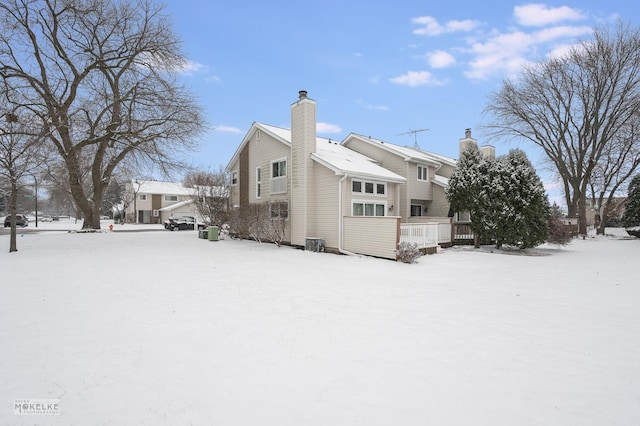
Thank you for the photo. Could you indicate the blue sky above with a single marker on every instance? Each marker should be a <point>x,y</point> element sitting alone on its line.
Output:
<point>378,68</point>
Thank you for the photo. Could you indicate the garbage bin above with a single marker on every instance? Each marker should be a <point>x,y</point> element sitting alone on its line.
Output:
<point>203,234</point>
<point>212,233</point>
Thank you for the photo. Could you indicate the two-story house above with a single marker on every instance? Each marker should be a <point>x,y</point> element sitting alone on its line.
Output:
<point>150,201</point>
<point>353,195</point>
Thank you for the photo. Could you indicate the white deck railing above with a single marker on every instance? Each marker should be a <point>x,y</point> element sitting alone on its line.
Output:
<point>425,235</point>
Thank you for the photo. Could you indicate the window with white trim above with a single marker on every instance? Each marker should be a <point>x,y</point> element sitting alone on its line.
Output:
<point>423,173</point>
<point>156,213</point>
<point>234,178</point>
<point>278,168</point>
<point>258,182</point>
<point>171,198</point>
<point>142,197</point>
<point>363,187</point>
<point>278,184</point>
<point>279,209</point>
<point>365,208</point>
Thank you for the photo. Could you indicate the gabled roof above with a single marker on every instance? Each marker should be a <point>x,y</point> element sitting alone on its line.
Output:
<point>278,133</point>
<point>407,153</point>
<point>343,160</point>
<point>157,187</point>
<point>330,154</point>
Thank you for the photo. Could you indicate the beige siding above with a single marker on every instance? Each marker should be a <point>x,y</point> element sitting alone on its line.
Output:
<point>439,206</point>
<point>372,236</point>
<point>413,188</point>
<point>234,195</point>
<point>263,151</point>
<point>325,216</point>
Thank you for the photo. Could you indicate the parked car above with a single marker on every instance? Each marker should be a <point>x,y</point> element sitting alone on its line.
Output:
<point>46,218</point>
<point>21,220</point>
<point>180,223</point>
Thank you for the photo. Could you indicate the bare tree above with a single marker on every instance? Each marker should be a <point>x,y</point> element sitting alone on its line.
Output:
<point>102,76</point>
<point>211,195</point>
<point>574,107</point>
<point>619,162</point>
<point>21,156</point>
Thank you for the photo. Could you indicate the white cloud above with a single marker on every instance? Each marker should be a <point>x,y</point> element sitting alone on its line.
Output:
<point>416,78</point>
<point>372,106</point>
<point>538,14</point>
<point>213,79</point>
<point>507,53</point>
<point>431,27</point>
<point>227,129</point>
<point>327,128</point>
<point>440,59</point>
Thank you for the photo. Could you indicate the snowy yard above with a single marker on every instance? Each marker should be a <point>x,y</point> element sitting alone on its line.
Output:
<point>163,328</point>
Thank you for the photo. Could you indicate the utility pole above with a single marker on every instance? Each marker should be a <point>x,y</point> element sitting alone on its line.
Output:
<point>415,136</point>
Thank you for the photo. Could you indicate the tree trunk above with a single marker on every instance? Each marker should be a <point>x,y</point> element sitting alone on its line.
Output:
<point>13,196</point>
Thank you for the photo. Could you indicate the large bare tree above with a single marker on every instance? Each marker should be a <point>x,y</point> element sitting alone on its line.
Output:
<point>574,107</point>
<point>102,76</point>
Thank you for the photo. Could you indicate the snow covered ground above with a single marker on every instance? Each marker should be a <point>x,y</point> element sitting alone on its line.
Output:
<point>163,328</point>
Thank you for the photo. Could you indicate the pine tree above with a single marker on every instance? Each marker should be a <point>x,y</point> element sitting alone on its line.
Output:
<point>526,207</point>
<point>631,216</point>
<point>505,198</point>
<point>466,184</point>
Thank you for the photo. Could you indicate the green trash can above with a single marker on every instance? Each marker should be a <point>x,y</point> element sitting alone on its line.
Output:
<point>212,233</point>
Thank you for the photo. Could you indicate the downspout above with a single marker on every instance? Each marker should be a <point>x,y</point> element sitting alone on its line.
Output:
<point>341,250</point>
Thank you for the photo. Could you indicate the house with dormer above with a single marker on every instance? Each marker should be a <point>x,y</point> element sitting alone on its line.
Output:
<point>353,195</point>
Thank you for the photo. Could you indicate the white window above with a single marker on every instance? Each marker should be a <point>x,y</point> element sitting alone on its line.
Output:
<point>171,198</point>
<point>279,176</point>
<point>258,182</point>
<point>279,209</point>
<point>278,168</point>
<point>142,197</point>
<point>156,213</point>
<point>363,208</point>
<point>423,173</point>
<point>234,178</point>
<point>373,188</point>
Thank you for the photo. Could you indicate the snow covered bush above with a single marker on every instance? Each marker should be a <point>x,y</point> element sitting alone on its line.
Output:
<point>408,252</point>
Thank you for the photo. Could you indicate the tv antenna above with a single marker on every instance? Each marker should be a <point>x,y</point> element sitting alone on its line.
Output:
<point>415,136</point>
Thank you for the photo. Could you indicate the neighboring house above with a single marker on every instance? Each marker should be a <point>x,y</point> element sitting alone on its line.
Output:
<point>352,195</point>
<point>154,201</point>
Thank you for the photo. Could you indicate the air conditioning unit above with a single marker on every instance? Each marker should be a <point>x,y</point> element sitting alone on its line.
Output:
<point>314,244</point>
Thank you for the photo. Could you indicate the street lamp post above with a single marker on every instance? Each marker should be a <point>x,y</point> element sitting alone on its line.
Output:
<point>35,179</point>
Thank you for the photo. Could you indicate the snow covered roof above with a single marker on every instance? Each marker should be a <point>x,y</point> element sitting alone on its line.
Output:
<point>440,180</point>
<point>176,205</point>
<point>330,154</point>
<point>157,187</point>
<point>341,159</point>
<point>408,153</point>
<point>278,133</point>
